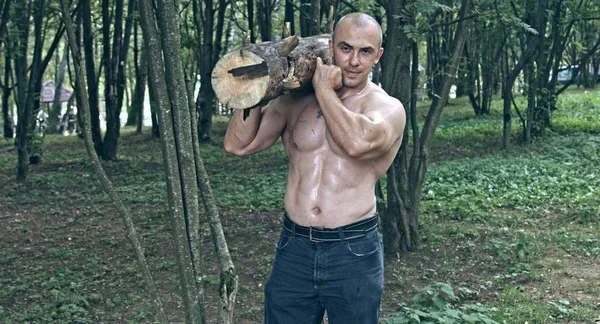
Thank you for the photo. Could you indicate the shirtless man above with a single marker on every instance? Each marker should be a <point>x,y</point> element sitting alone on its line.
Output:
<point>340,139</point>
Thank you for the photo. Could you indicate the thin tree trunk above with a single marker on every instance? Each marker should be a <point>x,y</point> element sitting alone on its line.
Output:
<point>92,78</point>
<point>106,183</point>
<point>132,110</point>
<point>178,198</point>
<point>251,28</point>
<point>8,127</point>
<point>112,61</point>
<point>153,108</point>
<point>395,80</point>
<point>289,16</point>
<point>316,17</point>
<point>24,109</point>
<point>4,19</point>
<point>405,180</point>
<point>141,90</point>
<point>526,56</point>
<point>56,109</point>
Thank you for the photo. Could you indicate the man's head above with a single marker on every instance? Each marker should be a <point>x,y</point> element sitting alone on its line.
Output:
<point>355,47</point>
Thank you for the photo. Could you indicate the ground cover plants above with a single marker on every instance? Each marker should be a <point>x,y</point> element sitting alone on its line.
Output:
<point>509,236</point>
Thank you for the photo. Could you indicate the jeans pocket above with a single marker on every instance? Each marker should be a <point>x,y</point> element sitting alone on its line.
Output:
<point>284,240</point>
<point>364,247</point>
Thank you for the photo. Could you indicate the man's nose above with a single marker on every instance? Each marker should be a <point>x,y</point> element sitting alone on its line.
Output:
<point>354,60</point>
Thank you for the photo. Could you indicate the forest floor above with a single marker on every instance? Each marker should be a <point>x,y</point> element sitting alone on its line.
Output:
<point>64,256</point>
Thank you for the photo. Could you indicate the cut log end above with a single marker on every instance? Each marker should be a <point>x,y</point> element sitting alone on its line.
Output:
<point>238,92</point>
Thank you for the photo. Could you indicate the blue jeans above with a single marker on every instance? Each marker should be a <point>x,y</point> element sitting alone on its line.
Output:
<point>344,279</point>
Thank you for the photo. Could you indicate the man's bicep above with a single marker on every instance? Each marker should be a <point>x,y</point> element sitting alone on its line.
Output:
<point>272,124</point>
<point>390,121</point>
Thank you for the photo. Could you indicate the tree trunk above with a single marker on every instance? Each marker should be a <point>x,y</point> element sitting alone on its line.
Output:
<point>90,72</point>
<point>24,110</point>
<point>8,127</point>
<point>289,16</point>
<point>108,187</point>
<point>132,110</point>
<point>56,109</point>
<point>472,84</point>
<point>5,7</point>
<point>316,17</point>
<point>527,54</point>
<point>406,176</point>
<point>305,18</point>
<point>194,312</point>
<point>153,109</point>
<point>251,28</point>
<point>254,75</point>
<point>264,13</point>
<point>206,95</point>
<point>395,79</point>
<point>113,95</point>
<point>140,94</point>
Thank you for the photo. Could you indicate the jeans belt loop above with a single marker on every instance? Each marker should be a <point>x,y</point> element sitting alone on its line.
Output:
<point>310,234</point>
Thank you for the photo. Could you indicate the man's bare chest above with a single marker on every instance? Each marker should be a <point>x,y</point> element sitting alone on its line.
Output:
<point>309,130</point>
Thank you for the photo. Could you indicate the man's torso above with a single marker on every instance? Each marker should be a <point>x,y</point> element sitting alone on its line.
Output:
<point>326,187</point>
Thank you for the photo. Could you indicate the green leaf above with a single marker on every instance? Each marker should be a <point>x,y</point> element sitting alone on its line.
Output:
<point>439,302</point>
<point>447,290</point>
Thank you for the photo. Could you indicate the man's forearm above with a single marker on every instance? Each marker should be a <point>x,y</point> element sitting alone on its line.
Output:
<point>341,122</point>
<point>241,132</point>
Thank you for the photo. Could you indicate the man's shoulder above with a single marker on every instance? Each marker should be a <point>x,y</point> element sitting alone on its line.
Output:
<point>294,98</point>
<point>288,105</point>
<point>379,99</point>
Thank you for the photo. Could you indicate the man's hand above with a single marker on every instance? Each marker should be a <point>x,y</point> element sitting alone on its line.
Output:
<point>327,76</point>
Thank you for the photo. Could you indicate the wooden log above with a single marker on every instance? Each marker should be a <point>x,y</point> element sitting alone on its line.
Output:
<point>258,73</point>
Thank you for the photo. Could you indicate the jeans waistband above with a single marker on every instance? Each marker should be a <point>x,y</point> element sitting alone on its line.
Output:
<point>319,234</point>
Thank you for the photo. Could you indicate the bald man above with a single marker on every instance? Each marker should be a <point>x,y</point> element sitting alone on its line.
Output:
<point>340,139</point>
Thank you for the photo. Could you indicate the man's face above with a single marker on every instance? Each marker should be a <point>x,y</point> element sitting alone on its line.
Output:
<point>355,50</point>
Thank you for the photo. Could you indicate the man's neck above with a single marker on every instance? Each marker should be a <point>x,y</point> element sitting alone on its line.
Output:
<point>346,92</point>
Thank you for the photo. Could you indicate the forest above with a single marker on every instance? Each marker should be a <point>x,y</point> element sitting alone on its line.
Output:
<point>119,203</point>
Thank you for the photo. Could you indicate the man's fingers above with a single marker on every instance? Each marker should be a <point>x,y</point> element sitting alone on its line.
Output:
<point>319,61</point>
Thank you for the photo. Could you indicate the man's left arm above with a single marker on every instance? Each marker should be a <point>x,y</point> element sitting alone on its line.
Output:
<point>368,133</point>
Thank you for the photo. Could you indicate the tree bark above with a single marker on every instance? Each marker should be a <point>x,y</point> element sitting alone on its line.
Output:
<point>253,75</point>
<point>140,92</point>
<point>5,6</point>
<point>194,312</point>
<point>92,80</point>
<point>24,114</point>
<point>316,17</point>
<point>56,109</point>
<point>264,13</point>
<point>107,184</point>
<point>289,16</point>
<point>8,127</point>
<point>406,175</point>
<point>115,59</point>
<point>251,28</point>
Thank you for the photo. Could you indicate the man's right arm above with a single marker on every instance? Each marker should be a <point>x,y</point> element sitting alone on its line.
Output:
<point>259,131</point>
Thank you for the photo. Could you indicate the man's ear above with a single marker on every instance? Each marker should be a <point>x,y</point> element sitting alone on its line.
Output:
<point>379,55</point>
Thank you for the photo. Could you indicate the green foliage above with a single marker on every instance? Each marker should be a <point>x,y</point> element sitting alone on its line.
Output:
<point>563,176</point>
<point>577,112</point>
<point>436,304</point>
<point>36,146</point>
<point>508,251</point>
